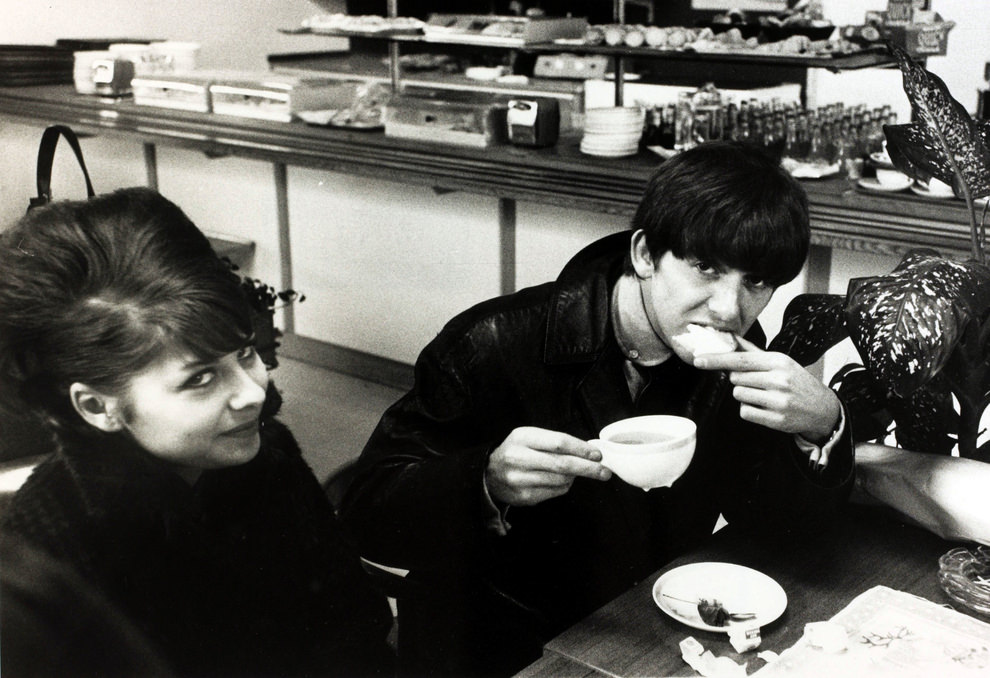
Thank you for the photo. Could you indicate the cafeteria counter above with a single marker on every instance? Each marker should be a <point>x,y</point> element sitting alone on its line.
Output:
<point>843,215</point>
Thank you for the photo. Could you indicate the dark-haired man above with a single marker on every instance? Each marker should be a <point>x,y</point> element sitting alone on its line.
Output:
<point>481,479</point>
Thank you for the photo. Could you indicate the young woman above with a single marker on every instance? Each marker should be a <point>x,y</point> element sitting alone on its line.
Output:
<point>173,490</point>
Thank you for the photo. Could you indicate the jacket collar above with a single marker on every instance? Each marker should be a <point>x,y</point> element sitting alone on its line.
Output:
<point>578,326</point>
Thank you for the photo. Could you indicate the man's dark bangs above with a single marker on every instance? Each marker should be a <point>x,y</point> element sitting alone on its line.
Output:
<point>762,242</point>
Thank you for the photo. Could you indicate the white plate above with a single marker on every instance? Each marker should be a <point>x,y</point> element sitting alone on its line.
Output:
<point>611,154</point>
<point>616,146</point>
<point>738,588</point>
<point>322,117</point>
<point>925,192</point>
<point>871,184</point>
<point>611,146</point>
<point>605,130</point>
<point>614,114</point>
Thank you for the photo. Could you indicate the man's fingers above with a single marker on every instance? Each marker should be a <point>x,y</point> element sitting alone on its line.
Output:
<point>540,480</point>
<point>569,465</point>
<point>747,345</point>
<point>554,442</point>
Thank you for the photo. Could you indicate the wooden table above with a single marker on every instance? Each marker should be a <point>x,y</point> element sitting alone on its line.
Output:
<point>631,637</point>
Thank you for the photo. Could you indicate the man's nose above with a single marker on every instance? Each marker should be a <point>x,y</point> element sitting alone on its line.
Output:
<point>725,302</point>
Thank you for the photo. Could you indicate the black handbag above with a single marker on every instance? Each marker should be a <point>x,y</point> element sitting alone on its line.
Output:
<point>23,437</point>
<point>46,157</point>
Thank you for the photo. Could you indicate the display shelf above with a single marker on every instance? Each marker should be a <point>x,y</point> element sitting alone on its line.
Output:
<point>867,58</point>
<point>872,57</point>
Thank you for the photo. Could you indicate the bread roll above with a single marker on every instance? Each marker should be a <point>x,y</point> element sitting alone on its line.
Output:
<point>700,339</point>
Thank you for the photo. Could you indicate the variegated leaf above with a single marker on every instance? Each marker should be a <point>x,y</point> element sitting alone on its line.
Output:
<point>942,130</point>
<point>926,419</point>
<point>865,401</point>
<point>812,324</point>
<point>907,323</point>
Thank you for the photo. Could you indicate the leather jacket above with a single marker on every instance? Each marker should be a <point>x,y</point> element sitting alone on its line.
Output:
<point>546,356</point>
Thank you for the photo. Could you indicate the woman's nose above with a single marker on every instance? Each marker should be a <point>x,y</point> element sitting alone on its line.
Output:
<point>249,390</point>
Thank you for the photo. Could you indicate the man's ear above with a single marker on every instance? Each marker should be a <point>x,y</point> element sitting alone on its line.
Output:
<point>642,260</point>
<point>96,408</point>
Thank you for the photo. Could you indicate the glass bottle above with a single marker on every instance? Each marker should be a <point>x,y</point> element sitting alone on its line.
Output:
<point>742,131</point>
<point>653,127</point>
<point>668,123</point>
<point>791,149</point>
<point>731,120</point>
<point>706,106</point>
<point>683,124</point>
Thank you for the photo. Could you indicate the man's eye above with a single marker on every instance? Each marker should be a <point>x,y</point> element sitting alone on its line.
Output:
<point>705,267</point>
<point>757,283</point>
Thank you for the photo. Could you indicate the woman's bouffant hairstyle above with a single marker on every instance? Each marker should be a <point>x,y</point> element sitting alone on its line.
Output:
<point>94,291</point>
<point>728,203</point>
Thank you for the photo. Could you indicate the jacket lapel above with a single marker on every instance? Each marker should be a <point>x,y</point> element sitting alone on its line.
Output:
<point>603,394</point>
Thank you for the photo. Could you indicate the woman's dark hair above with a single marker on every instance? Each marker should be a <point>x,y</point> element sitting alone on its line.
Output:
<point>94,291</point>
<point>727,203</point>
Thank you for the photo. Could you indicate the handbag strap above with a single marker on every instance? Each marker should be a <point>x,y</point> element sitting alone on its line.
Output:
<point>46,157</point>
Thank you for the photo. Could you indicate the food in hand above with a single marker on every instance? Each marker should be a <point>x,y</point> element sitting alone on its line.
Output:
<point>700,339</point>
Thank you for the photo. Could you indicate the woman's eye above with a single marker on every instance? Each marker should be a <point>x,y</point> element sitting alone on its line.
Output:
<point>200,379</point>
<point>247,353</point>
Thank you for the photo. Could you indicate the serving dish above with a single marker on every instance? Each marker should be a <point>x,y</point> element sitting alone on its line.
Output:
<point>739,589</point>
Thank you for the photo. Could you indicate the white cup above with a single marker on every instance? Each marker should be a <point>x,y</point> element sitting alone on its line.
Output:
<point>649,451</point>
<point>939,188</point>
<point>891,177</point>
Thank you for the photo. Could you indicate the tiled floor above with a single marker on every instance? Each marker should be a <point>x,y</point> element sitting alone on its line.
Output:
<point>331,414</point>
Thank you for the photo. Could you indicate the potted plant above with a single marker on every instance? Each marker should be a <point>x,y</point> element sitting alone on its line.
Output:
<point>922,330</point>
<point>265,300</point>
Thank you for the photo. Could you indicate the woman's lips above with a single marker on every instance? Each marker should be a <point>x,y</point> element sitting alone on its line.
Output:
<point>244,429</point>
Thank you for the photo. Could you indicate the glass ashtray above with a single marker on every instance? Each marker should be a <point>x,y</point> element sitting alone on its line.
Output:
<point>964,575</point>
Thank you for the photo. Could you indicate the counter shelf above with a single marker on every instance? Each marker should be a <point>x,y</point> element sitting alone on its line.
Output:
<point>841,216</point>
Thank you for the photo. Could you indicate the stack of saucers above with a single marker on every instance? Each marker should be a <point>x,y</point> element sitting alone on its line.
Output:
<point>612,132</point>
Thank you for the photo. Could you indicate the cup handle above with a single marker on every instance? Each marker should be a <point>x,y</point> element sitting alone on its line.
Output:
<point>601,448</point>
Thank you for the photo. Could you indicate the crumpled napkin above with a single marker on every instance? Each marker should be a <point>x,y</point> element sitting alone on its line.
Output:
<point>707,664</point>
<point>710,666</point>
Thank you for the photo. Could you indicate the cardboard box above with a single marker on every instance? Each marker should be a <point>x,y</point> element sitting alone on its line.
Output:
<point>511,31</point>
<point>477,122</point>
<point>276,96</point>
<point>920,39</point>
<point>186,92</point>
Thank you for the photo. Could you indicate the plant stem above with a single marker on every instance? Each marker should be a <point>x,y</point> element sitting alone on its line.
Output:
<point>976,233</point>
<point>969,428</point>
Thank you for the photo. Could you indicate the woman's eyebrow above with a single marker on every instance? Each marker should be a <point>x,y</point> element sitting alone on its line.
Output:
<point>194,364</point>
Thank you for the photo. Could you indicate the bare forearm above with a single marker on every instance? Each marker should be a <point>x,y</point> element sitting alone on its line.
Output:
<point>949,496</point>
